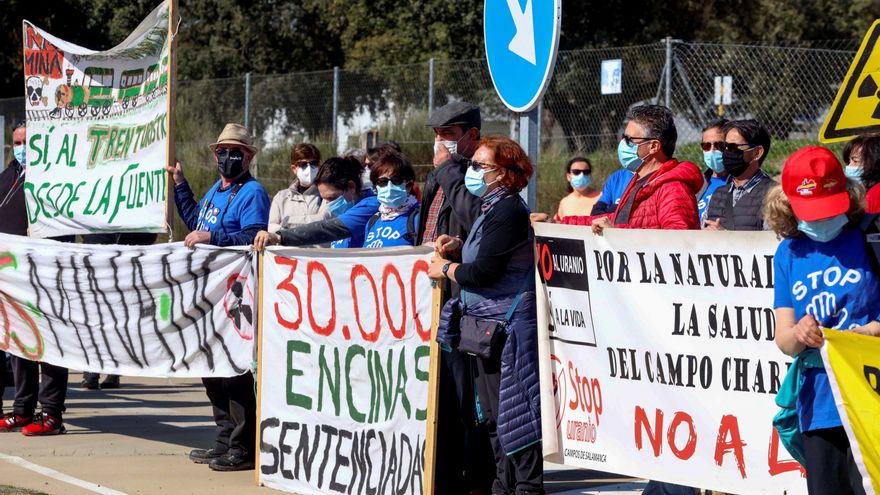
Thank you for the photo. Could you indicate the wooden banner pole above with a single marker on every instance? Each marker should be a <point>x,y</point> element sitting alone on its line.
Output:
<point>433,392</point>
<point>170,111</point>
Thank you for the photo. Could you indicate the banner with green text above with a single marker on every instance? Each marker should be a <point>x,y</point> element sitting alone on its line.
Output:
<point>96,132</point>
<point>344,364</point>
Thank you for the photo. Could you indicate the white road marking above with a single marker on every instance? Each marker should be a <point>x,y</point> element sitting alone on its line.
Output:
<point>51,473</point>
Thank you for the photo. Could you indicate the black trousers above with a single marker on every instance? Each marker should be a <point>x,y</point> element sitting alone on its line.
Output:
<point>464,459</point>
<point>3,379</point>
<point>235,412</point>
<point>830,465</point>
<point>38,382</point>
<point>520,473</point>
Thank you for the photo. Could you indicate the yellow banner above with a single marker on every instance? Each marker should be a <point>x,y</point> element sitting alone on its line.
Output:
<point>853,364</point>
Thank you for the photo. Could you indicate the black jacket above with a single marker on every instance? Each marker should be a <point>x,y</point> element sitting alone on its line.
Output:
<point>460,208</point>
<point>13,211</point>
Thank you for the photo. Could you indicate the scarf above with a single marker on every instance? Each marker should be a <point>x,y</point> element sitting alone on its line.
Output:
<point>391,212</point>
<point>493,197</point>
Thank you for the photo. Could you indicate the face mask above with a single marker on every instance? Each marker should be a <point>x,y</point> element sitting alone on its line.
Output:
<point>306,175</point>
<point>339,206</point>
<point>580,182</point>
<point>452,146</point>
<point>365,179</point>
<point>473,181</point>
<point>392,195</point>
<point>230,162</point>
<point>854,173</point>
<point>629,155</point>
<point>823,230</point>
<point>20,153</point>
<point>714,160</point>
<point>734,162</point>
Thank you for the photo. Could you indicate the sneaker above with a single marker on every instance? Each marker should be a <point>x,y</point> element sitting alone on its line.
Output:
<point>14,422</point>
<point>44,425</point>
<point>204,456</point>
<point>112,381</point>
<point>232,461</point>
<point>89,384</point>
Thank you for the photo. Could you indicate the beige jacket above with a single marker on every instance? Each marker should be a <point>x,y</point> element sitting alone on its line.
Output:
<point>290,208</point>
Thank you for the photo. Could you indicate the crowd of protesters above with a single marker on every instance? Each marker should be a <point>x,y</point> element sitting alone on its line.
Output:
<point>471,212</point>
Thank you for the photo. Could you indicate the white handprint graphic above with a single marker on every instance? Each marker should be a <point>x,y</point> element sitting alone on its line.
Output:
<point>823,307</point>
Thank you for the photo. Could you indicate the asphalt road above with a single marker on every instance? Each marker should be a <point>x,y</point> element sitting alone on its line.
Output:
<point>135,440</point>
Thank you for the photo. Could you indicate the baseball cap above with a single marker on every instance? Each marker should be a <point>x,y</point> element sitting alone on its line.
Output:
<point>815,184</point>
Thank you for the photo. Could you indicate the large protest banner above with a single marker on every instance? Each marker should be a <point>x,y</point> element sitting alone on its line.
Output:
<point>853,365</point>
<point>161,310</point>
<point>97,128</point>
<point>344,369</point>
<point>658,356</point>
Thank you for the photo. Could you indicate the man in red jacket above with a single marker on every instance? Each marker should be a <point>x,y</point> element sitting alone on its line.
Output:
<point>662,194</point>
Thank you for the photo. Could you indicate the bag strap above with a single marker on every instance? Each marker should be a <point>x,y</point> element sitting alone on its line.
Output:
<point>411,229</point>
<point>516,300</point>
<point>870,227</point>
<point>372,221</point>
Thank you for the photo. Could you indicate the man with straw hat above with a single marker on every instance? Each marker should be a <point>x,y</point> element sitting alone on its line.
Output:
<point>230,214</point>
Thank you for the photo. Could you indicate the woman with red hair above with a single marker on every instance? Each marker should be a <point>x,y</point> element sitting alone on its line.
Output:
<point>494,319</point>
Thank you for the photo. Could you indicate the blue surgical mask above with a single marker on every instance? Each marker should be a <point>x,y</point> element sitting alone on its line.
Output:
<point>581,182</point>
<point>823,230</point>
<point>854,173</point>
<point>473,181</point>
<point>20,153</point>
<point>339,206</point>
<point>714,160</point>
<point>629,155</point>
<point>392,195</point>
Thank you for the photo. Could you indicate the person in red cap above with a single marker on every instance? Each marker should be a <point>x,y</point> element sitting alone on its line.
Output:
<point>823,280</point>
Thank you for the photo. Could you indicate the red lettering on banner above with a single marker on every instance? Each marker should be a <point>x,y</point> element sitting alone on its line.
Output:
<point>587,393</point>
<point>730,428</point>
<point>325,330</point>
<point>287,286</point>
<point>361,271</point>
<point>546,261</point>
<point>386,273</point>
<point>420,266</point>
<point>34,353</point>
<point>691,445</point>
<point>655,435</point>
<point>41,58</point>
<point>776,466</point>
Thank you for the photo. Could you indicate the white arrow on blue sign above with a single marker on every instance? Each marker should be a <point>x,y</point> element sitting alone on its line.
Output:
<point>522,38</point>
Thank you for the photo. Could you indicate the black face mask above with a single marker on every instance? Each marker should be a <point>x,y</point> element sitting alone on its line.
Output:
<point>734,163</point>
<point>230,162</point>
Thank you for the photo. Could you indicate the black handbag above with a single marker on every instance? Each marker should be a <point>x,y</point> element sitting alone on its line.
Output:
<point>483,337</point>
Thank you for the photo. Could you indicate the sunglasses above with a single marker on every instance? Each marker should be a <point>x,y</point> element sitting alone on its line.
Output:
<point>629,139</point>
<point>383,181</point>
<point>306,163</point>
<point>576,171</point>
<point>717,145</point>
<point>477,166</point>
<point>735,147</point>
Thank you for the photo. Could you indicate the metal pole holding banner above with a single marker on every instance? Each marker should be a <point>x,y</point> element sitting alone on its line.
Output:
<point>667,71</point>
<point>335,100</point>
<point>170,107</point>
<point>430,86</point>
<point>529,132</point>
<point>247,101</point>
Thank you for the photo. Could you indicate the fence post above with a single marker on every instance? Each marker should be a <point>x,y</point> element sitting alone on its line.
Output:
<point>430,85</point>
<point>247,101</point>
<point>335,100</point>
<point>668,72</point>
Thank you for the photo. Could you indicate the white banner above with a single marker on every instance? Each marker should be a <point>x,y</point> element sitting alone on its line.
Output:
<point>97,132</point>
<point>344,359</point>
<point>161,310</point>
<point>658,357</point>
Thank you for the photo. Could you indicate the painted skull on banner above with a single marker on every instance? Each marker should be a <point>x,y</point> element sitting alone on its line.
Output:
<point>34,90</point>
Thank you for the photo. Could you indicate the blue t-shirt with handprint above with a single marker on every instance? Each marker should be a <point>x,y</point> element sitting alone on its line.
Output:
<point>833,282</point>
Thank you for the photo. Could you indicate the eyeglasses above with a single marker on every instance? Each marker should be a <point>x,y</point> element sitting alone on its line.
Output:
<point>735,147</point>
<point>476,166</point>
<point>717,145</point>
<point>383,181</point>
<point>576,171</point>
<point>629,139</point>
<point>306,163</point>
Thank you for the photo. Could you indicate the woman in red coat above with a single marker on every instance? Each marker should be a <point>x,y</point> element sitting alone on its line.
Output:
<point>662,194</point>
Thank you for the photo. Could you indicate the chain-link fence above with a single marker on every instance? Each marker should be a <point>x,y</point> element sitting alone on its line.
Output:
<point>788,89</point>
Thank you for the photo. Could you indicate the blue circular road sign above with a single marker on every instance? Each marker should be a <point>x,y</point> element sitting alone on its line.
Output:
<point>522,37</point>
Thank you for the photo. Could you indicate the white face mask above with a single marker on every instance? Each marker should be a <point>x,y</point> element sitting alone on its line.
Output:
<point>306,175</point>
<point>452,146</point>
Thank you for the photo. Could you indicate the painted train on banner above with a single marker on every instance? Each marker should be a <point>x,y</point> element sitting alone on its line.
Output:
<point>662,361</point>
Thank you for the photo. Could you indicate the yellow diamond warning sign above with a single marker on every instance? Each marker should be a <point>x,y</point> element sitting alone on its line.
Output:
<point>856,110</point>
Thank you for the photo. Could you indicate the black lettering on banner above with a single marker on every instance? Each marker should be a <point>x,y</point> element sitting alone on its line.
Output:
<point>562,263</point>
